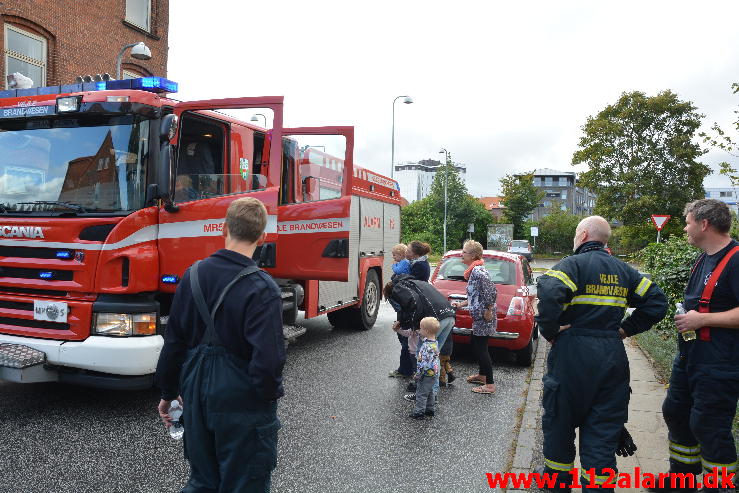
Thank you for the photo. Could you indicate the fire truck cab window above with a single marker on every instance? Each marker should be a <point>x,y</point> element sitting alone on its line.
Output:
<point>200,159</point>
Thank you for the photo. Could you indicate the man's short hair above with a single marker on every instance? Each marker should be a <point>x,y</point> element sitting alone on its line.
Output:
<point>716,212</point>
<point>246,219</point>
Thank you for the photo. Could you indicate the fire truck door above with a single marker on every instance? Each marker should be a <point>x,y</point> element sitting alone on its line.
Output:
<point>314,218</point>
<point>207,175</point>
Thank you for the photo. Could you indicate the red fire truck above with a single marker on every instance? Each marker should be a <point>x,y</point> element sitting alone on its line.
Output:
<point>110,190</point>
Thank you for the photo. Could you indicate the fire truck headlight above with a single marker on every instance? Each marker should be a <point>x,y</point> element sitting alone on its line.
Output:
<point>125,324</point>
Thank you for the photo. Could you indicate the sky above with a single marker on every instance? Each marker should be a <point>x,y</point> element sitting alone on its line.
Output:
<point>505,87</point>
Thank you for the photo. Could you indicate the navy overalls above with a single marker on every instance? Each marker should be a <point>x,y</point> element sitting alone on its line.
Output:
<point>587,381</point>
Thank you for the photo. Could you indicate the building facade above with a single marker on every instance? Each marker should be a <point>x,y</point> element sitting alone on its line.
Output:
<point>728,195</point>
<point>493,205</point>
<point>415,178</point>
<point>561,189</point>
<point>53,42</point>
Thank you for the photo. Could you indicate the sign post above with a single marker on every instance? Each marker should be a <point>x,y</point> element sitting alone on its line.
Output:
<point>471,229</point>
<point>659,222</point>
<point>534,234</point>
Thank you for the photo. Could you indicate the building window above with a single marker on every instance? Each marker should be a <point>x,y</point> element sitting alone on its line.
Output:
<point>724,194</point>
<point>25,53</point>
<point>131,75</point>
<point>564,194</point>
<point>563,207</point>
<point>138,13</point>
<point>549,181</point>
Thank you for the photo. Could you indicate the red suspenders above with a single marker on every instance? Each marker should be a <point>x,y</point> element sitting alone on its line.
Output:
<point>704,333</point>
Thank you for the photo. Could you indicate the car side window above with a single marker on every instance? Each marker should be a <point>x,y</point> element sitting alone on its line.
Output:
<point>527,277</point>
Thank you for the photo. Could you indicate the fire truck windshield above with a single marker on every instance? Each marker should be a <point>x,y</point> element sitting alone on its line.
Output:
<point>81,163</point>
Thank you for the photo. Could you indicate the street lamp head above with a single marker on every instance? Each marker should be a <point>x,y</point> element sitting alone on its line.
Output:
<point>141,52</point>
<point>408,100</point>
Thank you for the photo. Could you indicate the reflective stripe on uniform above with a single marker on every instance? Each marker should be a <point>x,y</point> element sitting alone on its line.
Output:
<point>708,466</point>
<point>562,277</point>
<point>684,449</point>
<point>587,479</point>
<point>685,459</point>
<point>643,286</point>
<point>599,300</point>
<point>558,466</point>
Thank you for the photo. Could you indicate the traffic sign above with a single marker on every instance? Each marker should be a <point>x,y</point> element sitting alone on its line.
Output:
<point>660,221</point>
<point>534,231</point>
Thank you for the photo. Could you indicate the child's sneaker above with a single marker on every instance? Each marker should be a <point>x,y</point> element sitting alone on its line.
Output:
<point>417,415</point>
<point>410,397</point>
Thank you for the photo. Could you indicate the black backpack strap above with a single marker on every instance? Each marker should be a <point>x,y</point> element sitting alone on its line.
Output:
<point>211,337</point>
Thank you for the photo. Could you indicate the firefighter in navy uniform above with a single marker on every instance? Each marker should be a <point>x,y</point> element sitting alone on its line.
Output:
<point>704,386</point>
<point>582,302</point>
<point>224,353</point>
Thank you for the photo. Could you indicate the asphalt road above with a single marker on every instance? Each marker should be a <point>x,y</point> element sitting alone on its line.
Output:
<point>345,427</point>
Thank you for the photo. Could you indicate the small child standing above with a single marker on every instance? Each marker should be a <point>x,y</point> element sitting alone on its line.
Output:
<point>401,265</point>
<point>427,369</point>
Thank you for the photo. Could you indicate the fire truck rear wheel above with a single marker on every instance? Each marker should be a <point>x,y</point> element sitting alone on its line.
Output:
<point>365,316</point>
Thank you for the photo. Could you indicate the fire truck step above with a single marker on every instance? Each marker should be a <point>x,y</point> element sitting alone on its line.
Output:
<point>292,331</point>
<point>19,356</point>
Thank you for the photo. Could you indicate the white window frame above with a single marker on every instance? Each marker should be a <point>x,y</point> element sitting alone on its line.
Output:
<point>146,28</point>
<point>127,74</point>
<point>23,58</point>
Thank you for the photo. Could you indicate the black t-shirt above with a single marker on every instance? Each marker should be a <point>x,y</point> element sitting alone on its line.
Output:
<point>726,293</point>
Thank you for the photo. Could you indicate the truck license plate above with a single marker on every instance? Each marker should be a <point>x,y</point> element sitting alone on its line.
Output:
<point>51,311</point>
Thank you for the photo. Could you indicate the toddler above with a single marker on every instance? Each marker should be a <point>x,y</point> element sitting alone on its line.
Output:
<point>401,265</point>
<point>427,369</point>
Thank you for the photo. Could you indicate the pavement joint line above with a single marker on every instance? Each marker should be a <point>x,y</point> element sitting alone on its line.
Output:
<point>525,440</point>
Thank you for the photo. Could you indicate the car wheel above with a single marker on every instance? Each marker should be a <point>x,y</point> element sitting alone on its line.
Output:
<point>525,356</point>
<point>364,317</point>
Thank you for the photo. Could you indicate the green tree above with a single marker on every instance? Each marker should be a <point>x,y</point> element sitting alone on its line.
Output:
<point>520,197</point>
<point>424,219</point>
<point>557,230</point>
<point>642,159</point>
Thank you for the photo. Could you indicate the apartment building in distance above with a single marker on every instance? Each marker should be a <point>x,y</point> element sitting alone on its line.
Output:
<point>728,195</point>
<point>561,188</point>
<point>415,178</point>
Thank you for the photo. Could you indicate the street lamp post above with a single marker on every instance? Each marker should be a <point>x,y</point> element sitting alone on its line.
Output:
<point>139,51</point>
<point>407,100</point>
<point>446,181</point>
<point>255,119</point>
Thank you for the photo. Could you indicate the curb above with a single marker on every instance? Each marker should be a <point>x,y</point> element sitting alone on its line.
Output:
<point>531,417</point>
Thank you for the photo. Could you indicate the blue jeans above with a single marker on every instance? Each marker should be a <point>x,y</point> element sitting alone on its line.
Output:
<point>445,330</point>
<point>407,361</point>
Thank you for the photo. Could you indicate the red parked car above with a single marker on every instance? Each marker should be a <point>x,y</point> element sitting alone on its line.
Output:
<point>516,300</point>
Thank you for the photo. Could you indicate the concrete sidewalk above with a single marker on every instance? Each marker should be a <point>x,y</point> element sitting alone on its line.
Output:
<point>645,424</point>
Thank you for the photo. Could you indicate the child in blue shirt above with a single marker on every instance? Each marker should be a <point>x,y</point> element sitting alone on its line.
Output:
<point>427,369</point>
<point>401,264</point>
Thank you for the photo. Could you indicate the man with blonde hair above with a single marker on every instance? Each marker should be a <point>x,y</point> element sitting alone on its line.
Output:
<point>582,303</point>
<point>223,354</point>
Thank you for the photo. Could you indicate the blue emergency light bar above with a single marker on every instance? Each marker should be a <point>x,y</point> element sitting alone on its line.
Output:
<point>46,275</point>
<point>151,84</point>
<point>64,254</point>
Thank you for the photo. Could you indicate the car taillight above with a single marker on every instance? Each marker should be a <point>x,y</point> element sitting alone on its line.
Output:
<point>516,308</point>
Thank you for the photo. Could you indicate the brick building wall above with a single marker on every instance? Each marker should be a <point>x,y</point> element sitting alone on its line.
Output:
<point>84,38</point>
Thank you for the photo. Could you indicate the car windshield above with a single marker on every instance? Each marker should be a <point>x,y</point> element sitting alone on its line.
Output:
<point>501,271</point>
<point>519,244</point>
<point>85,163</point>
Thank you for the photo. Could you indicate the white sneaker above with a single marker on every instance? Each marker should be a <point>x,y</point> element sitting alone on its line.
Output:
<point>410,397</point>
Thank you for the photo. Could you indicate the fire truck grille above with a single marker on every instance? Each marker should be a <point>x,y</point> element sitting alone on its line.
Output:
<point>28,252</point>
<point>40,292</point>
<point>17,305</point>
<point>23,273</point>
<point>35,324</point>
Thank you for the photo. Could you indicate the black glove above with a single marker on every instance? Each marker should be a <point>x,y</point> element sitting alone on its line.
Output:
<point>626,445</point>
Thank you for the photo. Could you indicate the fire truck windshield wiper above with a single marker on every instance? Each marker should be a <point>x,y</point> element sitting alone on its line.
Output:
<point>49,205</point>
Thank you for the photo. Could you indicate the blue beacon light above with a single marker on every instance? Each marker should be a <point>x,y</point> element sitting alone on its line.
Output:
<point>170,279</point>
<point>64,254</point>
<point>46,275</point>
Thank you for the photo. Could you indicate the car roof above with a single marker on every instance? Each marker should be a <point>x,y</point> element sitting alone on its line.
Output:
<point>486,253</point>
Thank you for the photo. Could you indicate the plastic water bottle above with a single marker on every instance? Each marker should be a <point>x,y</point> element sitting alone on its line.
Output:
<point>175,412</point>
<point>690,334</point>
